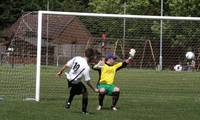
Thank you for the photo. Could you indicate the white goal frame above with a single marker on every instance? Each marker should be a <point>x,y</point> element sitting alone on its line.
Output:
<point>39,34</point>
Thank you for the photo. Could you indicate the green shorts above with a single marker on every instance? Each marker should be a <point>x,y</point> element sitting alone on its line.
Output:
<point>109,88</point>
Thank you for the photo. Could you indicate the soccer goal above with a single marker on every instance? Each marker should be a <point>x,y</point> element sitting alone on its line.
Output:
<point>43,41</point>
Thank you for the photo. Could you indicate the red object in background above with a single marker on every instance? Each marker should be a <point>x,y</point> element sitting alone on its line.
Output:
<point>103,37</point>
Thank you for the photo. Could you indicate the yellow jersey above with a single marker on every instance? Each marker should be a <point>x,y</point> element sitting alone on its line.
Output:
<point>108,73</point>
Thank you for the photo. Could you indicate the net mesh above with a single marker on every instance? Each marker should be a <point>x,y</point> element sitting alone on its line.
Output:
<point>18,59</point>
<point>64,37</point>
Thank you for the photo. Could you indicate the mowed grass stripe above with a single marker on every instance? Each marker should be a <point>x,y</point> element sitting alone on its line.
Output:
<point>145,95</point>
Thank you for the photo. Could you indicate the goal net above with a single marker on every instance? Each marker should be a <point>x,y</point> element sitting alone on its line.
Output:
<point>40,42</point>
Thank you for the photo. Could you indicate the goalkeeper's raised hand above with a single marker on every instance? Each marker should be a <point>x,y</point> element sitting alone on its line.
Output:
<point>131,54</point>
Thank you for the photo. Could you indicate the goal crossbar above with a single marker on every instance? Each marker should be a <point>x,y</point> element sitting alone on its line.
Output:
<point>39,32</point>
<point>121,15</point>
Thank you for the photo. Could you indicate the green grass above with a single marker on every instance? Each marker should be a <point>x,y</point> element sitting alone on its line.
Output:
<point>145,95</point>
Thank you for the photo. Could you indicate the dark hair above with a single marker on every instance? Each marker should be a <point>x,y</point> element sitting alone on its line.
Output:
<point>89,53</point>
<point>92,54</point>
<point>97,55</point>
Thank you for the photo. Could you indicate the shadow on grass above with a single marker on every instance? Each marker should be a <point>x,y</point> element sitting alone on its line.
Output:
<point>108,108</point>
<point>53,99</point>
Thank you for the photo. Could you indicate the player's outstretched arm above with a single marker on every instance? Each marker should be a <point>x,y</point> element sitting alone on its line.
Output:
<point>61,70</point>
<point>126,62</point>
<point>91,86</point>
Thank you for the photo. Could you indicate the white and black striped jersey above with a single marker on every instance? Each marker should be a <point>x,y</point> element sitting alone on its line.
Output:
<point>79,68</point>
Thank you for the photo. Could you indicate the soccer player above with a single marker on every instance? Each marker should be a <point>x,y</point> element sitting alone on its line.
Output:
<point>107,70</point>
<point>79,68</point>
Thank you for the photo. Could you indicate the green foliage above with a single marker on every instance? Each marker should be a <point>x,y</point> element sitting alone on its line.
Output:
<point>184,7</point>
<point>76,5</point>
<point>13,9</point>
<point>140,7</point>
<point>106,6</point>
<point>148,7</point>
<point>144,7</point>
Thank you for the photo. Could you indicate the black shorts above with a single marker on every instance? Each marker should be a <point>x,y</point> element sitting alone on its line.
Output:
<point>78,89</point>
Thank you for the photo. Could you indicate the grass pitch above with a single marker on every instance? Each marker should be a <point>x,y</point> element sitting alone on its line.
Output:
<point>145,95</point>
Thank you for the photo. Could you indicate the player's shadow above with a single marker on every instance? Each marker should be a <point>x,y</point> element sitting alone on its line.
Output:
<point>90,113</point>
<point>78,112</point>
<point>107,108</point>
<point>53,99</point>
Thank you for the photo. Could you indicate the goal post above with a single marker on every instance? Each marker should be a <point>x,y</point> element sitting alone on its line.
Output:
<point>120,16</point>
<point>38,66</point>
<point>39,43</point>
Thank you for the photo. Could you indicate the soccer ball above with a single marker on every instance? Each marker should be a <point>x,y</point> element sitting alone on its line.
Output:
<point>178,67</point>
<point>189,55</point>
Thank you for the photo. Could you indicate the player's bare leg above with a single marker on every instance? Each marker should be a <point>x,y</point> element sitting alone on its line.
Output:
<point>101,98</point>
<point>115,97</point>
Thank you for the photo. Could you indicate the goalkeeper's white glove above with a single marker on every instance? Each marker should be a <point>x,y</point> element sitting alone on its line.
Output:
<point>132,52</point>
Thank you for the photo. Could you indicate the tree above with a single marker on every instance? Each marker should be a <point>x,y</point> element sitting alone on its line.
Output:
<point>76,5</point>
<point>184,8</point>
<point>106,6</point>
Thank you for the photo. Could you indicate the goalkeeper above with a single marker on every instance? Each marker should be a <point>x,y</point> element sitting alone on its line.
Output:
<point>107,70</point>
